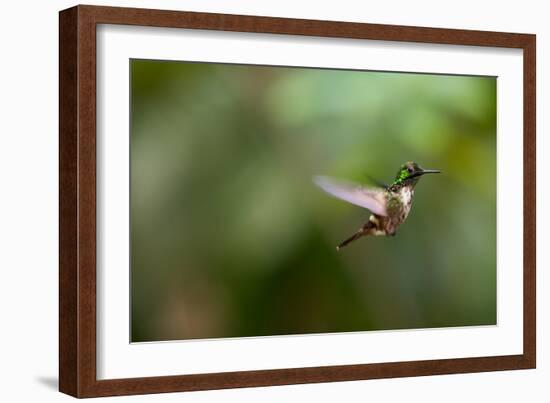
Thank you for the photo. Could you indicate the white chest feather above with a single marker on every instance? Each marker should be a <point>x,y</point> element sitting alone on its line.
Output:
<point>406,195</point>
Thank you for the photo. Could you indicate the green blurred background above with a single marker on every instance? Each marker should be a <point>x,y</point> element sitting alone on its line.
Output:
<point>230,238</point>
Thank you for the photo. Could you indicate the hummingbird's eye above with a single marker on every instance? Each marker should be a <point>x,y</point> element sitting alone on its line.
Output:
<point>410,170</point>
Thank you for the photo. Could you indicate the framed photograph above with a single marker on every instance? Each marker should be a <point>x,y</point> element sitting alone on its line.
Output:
<point>254,201</point>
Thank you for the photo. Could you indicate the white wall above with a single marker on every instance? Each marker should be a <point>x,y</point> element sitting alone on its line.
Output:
<point>28,198</point>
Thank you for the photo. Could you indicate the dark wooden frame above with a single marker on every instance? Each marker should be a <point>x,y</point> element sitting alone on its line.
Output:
<point>77,206</point>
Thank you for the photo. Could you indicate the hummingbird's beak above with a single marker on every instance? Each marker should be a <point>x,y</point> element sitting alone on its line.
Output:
<point>430,171</point>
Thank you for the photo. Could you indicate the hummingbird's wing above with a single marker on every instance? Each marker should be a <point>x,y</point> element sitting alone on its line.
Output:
<point>370,198</point>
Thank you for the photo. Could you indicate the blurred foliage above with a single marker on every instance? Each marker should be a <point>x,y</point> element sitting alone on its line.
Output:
<point>230,238</point>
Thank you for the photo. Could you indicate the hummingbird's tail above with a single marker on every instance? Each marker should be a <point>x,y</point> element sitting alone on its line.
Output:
<point>363,231</point>
<point>352,238</point>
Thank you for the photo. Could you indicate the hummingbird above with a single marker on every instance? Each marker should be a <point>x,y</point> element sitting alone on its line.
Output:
<point>390,205</point>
